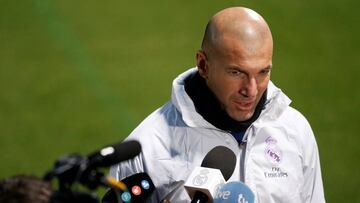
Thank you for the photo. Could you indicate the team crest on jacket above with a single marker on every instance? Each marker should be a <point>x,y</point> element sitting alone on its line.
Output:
<point>272,151</point>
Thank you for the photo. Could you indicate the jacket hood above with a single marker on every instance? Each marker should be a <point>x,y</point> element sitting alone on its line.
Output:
<point>276,102</point>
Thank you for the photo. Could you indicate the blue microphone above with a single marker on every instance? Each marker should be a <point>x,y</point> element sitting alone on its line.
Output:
<point>234,192</point>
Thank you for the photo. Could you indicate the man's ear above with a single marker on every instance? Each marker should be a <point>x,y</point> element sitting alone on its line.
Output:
<point>201,64</point>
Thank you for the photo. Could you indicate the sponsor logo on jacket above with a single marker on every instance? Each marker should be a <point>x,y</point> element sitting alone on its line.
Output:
<point>274,155</point>
<point>272,152</point>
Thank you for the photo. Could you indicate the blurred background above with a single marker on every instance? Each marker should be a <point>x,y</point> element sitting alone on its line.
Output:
<point>78,75</point>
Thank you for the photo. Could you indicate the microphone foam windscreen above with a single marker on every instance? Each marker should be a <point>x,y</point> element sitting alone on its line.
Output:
<point>114,154</point>
<point>221,158</point>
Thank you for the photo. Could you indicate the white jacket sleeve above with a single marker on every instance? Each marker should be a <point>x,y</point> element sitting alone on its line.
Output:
<point>312,189</point>
<point>127,168</point>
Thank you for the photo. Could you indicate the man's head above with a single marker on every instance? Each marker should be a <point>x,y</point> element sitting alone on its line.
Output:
<point>235,60</point>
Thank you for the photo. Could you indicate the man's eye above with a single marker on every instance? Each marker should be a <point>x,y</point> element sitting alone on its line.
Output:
<point>235,72</point>
<point>265,72</point>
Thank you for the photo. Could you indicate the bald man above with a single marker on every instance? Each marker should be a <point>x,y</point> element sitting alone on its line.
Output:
<point>229,100</point>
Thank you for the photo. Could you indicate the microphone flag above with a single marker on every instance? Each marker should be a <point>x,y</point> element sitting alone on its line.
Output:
<point>234,192</point>
<point>205,180</point>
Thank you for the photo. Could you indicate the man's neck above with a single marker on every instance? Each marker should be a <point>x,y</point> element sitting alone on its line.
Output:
<point>208,106</point>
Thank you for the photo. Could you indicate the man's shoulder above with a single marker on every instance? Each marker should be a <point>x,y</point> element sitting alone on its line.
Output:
<point>164,115</point>
<point>294,116</point>
<point>297,126</point>
<point>159,121</point>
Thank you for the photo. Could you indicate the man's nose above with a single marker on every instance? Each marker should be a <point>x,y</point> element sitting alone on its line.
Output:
<point>249,88</point>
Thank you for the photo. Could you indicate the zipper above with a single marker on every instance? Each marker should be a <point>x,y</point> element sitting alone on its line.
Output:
<point>244,152</point>
<point>242,161</point>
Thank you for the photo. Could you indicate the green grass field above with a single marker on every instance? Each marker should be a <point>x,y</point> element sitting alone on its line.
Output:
<point>77,75</point>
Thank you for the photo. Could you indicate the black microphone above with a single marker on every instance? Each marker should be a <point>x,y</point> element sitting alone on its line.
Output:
<point>114,154</point>
<point>204,181</point>
<point>71,168</point>
<point>137,189</point>
<point>221,158</point>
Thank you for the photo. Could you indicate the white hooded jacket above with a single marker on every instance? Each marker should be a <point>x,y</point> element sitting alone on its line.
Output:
<point>278,158</point>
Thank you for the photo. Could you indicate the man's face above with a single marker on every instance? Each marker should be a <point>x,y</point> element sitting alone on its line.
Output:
<point>237,76</point>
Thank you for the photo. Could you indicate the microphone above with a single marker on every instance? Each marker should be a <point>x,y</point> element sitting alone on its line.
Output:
<point>71,168</point>
<point>234,192</point>
<point>138,188</point>
<point>221,158</point>
<point>114,154</point>
<point>204,181</point>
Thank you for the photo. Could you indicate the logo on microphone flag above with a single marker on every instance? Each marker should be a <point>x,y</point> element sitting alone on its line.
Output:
<point>236,192</point>
<point>205,180</point>
<point>201,178</point>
